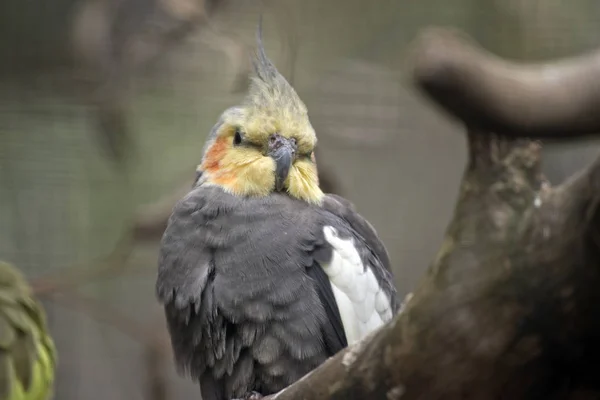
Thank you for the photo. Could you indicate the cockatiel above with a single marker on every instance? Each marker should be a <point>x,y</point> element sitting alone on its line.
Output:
<point>27,353</point>
<point>262,275</point>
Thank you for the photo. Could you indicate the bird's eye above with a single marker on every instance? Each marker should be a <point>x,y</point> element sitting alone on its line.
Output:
<point>294,141</point>
<point>237,137</point>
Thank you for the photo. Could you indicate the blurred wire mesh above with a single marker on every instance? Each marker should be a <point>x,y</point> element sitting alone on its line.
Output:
<point>105,104</point>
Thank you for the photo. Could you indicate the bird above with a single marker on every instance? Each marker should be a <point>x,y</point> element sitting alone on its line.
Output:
<point>28,355</point>
<point>262,276</point>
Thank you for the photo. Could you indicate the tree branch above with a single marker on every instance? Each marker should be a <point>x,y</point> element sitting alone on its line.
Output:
<point>558,99</point>
<point>510,307</point>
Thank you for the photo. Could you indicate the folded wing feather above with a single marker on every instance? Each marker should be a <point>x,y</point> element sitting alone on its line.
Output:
<point>363,305</point>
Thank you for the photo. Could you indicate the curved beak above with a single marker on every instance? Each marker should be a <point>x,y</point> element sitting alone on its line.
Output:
<point>283,151</point>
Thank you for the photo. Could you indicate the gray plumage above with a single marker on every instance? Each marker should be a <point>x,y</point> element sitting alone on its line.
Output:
<point>242,311</point>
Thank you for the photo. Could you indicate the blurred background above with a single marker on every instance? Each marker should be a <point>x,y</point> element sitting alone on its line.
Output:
<point>105,105</point>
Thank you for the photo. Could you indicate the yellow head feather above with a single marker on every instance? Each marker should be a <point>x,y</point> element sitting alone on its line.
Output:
<point>271,106</point>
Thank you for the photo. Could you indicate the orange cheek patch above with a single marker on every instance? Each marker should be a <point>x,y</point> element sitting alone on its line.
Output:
<point>212,164</point>
<point>215,154</point>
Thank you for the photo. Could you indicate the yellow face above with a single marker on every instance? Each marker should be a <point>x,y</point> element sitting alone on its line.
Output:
<point>245,156</point>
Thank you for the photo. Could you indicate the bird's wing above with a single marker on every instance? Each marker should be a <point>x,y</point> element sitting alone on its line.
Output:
<point>183,272</point>
<point>334,335</point>
<point>358,268</point>
<point>184,287</point>
<point>345,209</point>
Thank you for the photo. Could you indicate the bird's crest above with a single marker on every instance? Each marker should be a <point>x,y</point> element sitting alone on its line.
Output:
<point>269,91</point>
<point>270,107</point>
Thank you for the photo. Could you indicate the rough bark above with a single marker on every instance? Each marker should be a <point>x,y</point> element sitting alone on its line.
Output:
<point>510,307</point>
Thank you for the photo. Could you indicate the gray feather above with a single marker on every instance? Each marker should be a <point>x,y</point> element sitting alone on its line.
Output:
<point>267,349</point>
<point>242,310</point>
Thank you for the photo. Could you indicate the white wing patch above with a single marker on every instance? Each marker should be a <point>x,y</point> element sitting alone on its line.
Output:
<point>362,304</point>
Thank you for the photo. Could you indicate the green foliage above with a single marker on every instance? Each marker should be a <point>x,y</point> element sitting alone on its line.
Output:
<point>27,353</point>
